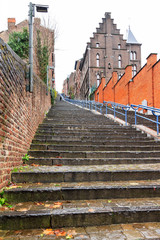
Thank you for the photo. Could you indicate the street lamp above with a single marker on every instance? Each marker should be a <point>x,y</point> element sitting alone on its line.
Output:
<point>39,8</point>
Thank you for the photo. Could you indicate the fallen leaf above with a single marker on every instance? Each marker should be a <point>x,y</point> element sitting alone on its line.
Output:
<point>17,232</point>
<point>48,232</point>
<point>69,236</point>
<point>58,203</point>
<point>60,233</point>
<point>22,209</point>
<point>39,183</point>
<point>72,232</point>
<point>3,209</point>
<point>47,205</point>
<point>59,165</point>
<point>81,236</point>
<point>91,210</point>
<point>109,201</point>
<point>35,165</point>
<point>54,206</point>
<point>38,203</point>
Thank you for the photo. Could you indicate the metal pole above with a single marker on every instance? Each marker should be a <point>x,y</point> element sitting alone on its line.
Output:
<point>31,15</point>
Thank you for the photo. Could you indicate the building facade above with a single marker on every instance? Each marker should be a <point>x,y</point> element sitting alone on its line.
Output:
<point>47,37</point>
<point>107,52</point>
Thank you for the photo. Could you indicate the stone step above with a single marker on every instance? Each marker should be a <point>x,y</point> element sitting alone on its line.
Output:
<point>86,133</point>
<point>97,142</point>
<point>85,129</point>
<point>94,147</point>
<point>82,191</point>
<point>81,213</point>
<point>91,161</point>
<point>50,174</point>
<point>134,231</point>
<point>80,126</point>
<point>93,154</point>
<point>92,138</point>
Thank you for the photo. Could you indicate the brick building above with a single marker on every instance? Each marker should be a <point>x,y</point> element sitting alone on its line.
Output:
<point>143,87</point>
<point>106,52</point>
<point>47,36</point>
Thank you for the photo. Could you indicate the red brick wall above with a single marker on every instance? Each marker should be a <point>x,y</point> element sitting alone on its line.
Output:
<point>20,112</point>
<point>145,85</point>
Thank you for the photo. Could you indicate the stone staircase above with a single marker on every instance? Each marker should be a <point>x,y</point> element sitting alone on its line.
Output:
<point>85,170</point>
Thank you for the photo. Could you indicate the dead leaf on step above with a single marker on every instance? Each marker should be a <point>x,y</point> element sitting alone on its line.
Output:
<point>58,203</point>
<point>59,165</point>
<point>35,165</point>
<point>91,210</point>
<point>38,203</point>
<point>60,233</point>
<point>72,232</point>
<point>3,209</point>
<point>22,209</point>
<point>48,232</point>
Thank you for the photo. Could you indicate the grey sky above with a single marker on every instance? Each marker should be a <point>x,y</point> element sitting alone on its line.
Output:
<point>77,20</point>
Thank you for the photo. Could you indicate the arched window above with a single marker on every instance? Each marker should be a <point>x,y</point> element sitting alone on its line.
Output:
<point>97,45</point>
<point>131,55</point>
<point>134,70</point>
<point>134,55</point>
<point>97,59</point>
<point>119,61</point>
<point>119,46</point>
<point>98,79</point>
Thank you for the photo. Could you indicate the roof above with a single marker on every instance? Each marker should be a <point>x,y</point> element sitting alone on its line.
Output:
<point>130,37</point>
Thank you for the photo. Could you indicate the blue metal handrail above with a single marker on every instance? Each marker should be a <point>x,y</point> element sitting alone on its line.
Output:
<point>115,106</point>
<point>92,105</point>
<point>155,112</point>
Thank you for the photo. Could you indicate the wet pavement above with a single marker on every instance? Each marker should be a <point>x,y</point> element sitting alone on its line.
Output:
<point>136,231</point>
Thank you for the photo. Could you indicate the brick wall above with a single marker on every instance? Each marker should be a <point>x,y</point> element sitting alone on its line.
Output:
<point>145,85</point>
<point>20,112</point>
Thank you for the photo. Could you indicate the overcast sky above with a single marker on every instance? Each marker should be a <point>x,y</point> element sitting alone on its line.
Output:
<point>76,20</point>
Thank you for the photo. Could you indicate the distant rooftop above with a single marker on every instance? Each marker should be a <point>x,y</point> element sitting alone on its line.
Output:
<point>130,37</point>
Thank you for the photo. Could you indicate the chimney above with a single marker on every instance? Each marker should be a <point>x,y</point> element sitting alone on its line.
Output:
<point>11,23</point>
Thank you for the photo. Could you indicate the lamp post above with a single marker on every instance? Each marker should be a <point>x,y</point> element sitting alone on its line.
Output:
<point>39,8</point>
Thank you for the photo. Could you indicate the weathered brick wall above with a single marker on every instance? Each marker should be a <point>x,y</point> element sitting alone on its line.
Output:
<point>20,112</point>
<point>145,85</point>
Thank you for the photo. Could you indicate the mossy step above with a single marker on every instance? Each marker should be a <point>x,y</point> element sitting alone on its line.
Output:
<point>94,154</point>
<point>49,174</point>
<point>118,147</point>
<point>91,161</point>
<point>82,191</point>
<point>80,213</point>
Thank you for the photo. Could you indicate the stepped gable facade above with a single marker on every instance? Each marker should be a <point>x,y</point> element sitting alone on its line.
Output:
<point>108,52</point>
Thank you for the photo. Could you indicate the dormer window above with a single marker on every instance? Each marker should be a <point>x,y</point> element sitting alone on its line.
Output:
<point>97,45</point>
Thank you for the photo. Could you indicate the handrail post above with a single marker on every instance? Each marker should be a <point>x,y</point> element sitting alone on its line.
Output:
<point>157,125</point>
<point>95,107</point>
<point>114,112</point>
<point>126,117</point>
<point>135,117</point>
<point>106,109</point>
<point>101,109</point>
